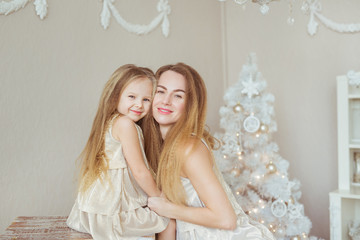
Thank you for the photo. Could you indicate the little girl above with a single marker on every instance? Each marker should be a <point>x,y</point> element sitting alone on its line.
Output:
<point>115,179</point>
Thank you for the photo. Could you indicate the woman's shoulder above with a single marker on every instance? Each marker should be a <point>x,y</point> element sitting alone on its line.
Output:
<point>197,144</point>
<point>196,148</point>
<point>197,156</point>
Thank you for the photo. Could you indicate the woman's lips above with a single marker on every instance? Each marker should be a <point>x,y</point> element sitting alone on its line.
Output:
<point>164,111</point>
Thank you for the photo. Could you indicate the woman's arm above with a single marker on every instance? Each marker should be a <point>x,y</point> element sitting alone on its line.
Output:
<point>125,131</point>
<point>218,211</point>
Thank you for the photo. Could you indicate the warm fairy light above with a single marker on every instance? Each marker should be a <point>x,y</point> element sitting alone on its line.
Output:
<point>257,177</point>
<point>255,210</point>
<point>257,135</point>
<point>240,157</point>
<point>262,221</point>
<point>237,134</point>
<point>283,176</point>
<point>224,156</point>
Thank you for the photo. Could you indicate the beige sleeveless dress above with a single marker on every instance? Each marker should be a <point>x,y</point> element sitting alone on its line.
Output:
<point>115,209</point>
<point>246,229</point>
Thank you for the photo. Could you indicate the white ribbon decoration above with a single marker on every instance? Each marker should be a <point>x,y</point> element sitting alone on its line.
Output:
<point>13,6</point>
<point>313,7</point>
<point>162,7</point>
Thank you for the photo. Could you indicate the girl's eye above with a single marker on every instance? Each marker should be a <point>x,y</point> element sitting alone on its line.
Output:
<point>131,96</point>
<point>147,100</point>
<point>160,91</point>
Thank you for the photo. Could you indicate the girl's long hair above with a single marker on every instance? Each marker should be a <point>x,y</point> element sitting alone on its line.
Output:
<point>168,163</point>
<point>94,163</point>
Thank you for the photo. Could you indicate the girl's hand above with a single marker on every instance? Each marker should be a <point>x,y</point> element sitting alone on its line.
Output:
<point>160,205</point>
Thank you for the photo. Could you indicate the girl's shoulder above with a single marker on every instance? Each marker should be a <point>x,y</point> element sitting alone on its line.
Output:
<point>123,126</point>
<point>123,121</point>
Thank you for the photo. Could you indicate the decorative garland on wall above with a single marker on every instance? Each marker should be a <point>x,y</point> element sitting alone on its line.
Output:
<point>15,5</point>
<point>7,7</point>
<point>162,7</point>
<point>313,7</point>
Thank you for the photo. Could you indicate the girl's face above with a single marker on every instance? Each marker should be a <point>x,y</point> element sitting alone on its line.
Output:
<point>169,100</point>
<point>135,100</point>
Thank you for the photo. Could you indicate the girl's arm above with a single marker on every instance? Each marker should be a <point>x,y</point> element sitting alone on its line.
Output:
<point>218,211</point>
<point>125,131</point>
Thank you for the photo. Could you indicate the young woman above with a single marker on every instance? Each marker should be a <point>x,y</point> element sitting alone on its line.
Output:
<point>195,193</point>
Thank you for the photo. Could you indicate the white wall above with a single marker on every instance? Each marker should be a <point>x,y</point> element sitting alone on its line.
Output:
<point>300,71</point>
<point>52,75</point>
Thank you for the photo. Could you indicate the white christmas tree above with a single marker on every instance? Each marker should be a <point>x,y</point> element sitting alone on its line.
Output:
<point>250,162</point>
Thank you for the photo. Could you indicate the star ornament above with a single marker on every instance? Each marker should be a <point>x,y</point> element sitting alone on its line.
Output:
<point>250,88</point>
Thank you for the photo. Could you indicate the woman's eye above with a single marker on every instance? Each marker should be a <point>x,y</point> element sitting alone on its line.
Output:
<point>131,96</point>
<point>147,99</point>
<point>160,91</point>
<point>178,96</point>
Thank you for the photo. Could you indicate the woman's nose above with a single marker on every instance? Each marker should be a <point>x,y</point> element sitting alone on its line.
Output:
<point>166,99</point>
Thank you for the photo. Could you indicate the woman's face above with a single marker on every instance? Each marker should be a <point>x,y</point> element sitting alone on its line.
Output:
<point>169,100</point>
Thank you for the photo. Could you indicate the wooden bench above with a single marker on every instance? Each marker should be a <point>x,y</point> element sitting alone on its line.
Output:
<point>41,228</point>
<point>45,228</point>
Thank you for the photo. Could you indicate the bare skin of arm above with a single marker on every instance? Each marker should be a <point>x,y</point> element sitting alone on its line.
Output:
<point>125,131</point>
<point>218,211</point>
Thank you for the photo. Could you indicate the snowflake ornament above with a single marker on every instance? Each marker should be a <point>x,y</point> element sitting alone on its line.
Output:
<point>250,88</point>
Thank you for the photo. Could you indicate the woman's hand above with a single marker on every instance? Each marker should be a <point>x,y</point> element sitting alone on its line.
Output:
<point>161,206</point>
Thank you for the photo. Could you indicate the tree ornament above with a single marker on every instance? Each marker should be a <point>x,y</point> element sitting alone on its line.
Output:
<point>235,172</point>
<point>278,208</point>
<point>294,212</point>
<point>280,231</point>
<point>250,87</point>
<point>291,200</point>
<point>271,167</point>
<point>251,124</point>
<point>237,108</point>
<point>264,128</point>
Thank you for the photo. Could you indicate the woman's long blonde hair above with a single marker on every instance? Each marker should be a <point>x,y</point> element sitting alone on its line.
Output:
<point>93,159</point>
<point>168,163</point>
